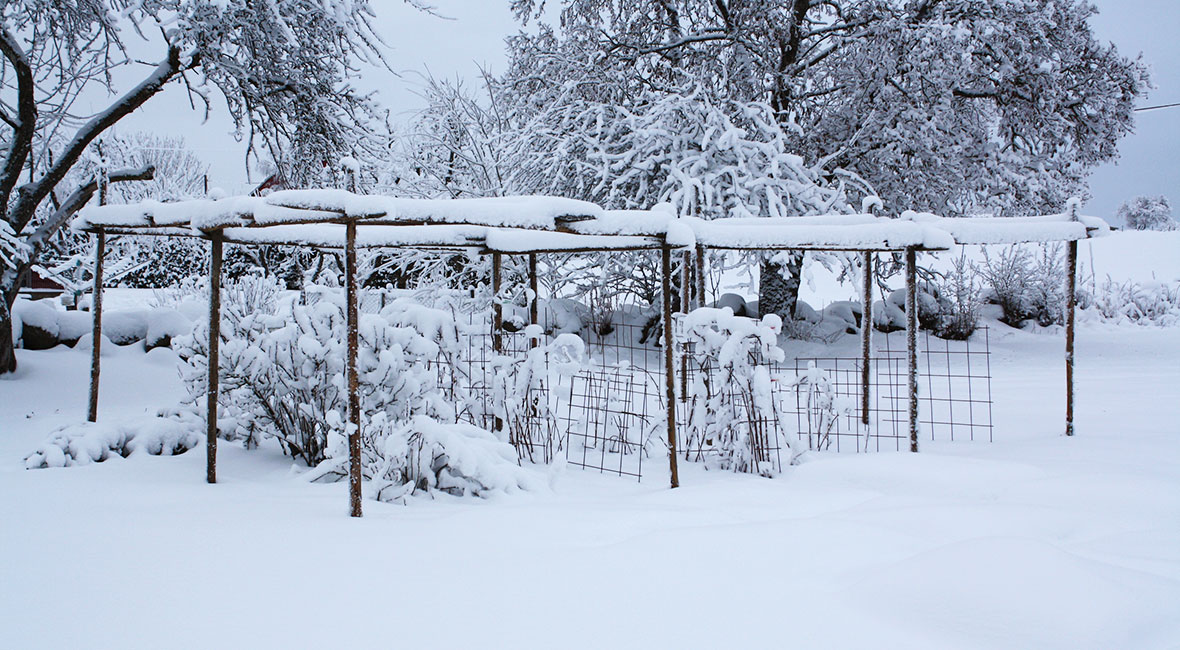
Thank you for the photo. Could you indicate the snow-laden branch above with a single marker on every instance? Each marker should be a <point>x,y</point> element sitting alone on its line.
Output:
<point>26,120</point>
<point>80,197</point>
<point>31,194</point>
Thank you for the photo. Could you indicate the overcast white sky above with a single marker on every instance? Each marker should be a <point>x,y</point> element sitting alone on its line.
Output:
<point>1150,161</point>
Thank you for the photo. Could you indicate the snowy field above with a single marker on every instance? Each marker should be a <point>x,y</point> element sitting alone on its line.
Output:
<point>1032,541</point>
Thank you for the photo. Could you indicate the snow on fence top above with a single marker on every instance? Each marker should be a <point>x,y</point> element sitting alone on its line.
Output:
<point>531,224</point>
<point>834,232</point>
<point>1013,230</point>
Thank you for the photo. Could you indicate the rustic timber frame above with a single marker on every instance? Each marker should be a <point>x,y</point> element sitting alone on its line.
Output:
<point>331,219</point>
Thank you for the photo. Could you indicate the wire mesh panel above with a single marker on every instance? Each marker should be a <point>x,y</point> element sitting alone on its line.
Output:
<point>955,389</point>
<point>825,398</point>
<point>612,417</point>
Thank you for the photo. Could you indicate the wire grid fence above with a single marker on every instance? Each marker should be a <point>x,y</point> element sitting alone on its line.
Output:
<point>830,417</point>
<point>955,386</point>
<point>607,417</point>
<point>611,416</point>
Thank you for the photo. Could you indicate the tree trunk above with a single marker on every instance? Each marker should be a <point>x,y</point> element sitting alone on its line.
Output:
<point>778,284</point>
<point>7,351</point>
<point>9,288</point>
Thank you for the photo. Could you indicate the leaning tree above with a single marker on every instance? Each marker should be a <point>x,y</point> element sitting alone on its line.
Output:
<point>282,69</point>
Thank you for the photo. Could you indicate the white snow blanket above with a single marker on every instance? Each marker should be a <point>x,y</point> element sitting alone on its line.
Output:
<point>95,442</point>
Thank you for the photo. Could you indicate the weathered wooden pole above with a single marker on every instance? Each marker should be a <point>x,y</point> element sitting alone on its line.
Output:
<point>669,360</point>
<point>911,333</point>
<point>212,383</point>
<point>534,288</point>
<point>866,334</point>
<point>686,280</point>
<point>100,245</point>
<point>497,307</point>
<point>1071,270</point>
<point>1071,264</point>
<point>700,262</point>
<point>354,400</point>
<point>497,317</point>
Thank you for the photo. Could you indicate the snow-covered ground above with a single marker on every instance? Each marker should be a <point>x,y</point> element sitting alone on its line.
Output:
<point>1032,541</point>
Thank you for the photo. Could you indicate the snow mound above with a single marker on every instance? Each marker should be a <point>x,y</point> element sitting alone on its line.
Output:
<point>95,442</point>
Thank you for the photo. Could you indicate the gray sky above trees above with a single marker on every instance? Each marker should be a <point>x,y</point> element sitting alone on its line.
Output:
<point>1150,161</point>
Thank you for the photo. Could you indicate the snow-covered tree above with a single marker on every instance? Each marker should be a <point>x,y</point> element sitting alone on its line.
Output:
<point>1148,213</point>
<point>949,106</point>
<point>705,155</point>
<point>454,147</point>
<point>281,68</point>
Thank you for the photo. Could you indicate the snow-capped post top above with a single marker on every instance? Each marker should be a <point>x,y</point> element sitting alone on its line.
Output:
<point>352,169</point>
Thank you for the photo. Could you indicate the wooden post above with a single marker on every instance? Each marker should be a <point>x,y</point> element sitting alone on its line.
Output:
<point>1071,269</point>
<point>700,262</point>
<point>354,401</point>
<point>669,360</point>
<point>100,245</point>
<point>1071,264</point>
<point>911,333</point>
<point>866,334</point>
<point>497,317</point>
<point>212,384</point>
<point>534,287</point>
<point>497,308</point>
<point>685,296</point>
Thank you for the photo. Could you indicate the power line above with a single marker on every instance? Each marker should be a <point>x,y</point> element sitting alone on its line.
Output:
<point>1152,108</point>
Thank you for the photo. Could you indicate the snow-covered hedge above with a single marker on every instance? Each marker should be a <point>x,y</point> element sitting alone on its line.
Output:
<point>95,442</point>
<point>283,378</point>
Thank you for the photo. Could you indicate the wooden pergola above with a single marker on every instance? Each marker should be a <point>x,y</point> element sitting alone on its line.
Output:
<point>339,219</point>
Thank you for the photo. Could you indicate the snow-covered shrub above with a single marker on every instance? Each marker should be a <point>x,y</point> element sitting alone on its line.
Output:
<point>1152,303</point>
<point>1147,213</point>
<point>822,407</point>
<point>525,391</point>
<point>733,420</point>
<point>958,295</point>
<point>1026,285</point>
<point>283,378</point>
<point>95,442</point>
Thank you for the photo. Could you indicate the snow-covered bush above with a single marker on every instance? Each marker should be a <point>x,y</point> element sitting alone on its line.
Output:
<point>822,407</point>
<point>733,420</point>
<point>1026,285</point>
<point>525,391</point>
<point>1147,213</point>
<point>95,442</point>
<point>1152,303</point>
<point>958,294</point>
<point>283,377</point>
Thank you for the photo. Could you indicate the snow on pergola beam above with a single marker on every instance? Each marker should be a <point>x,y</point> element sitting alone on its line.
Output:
<point>535,224</point>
